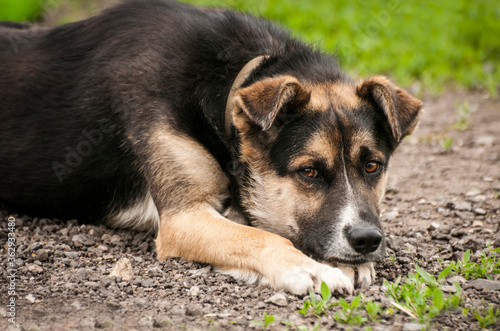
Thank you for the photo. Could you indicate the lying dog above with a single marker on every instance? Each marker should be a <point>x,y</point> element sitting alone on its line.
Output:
<point>241,146</point>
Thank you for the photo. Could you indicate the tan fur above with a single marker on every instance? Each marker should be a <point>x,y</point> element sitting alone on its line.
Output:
<point>177,159</point>
<point>202,234</point>
<point>338,95</point>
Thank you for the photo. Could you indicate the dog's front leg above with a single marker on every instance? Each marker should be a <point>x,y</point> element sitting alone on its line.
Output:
<point>202,234</point>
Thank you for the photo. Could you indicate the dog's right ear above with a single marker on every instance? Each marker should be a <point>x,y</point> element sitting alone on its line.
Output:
<point>260,103</point>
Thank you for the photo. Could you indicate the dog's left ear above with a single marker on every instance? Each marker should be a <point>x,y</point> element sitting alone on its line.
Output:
<point>400,108</point>
<point>261,102</point>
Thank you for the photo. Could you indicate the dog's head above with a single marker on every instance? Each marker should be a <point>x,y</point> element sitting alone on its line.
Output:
<point>315,159</point>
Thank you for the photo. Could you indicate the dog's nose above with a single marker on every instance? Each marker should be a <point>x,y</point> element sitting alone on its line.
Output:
<point>364,240</point>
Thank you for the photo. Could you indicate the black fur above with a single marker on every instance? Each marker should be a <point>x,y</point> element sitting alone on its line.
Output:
<point>90,87</point>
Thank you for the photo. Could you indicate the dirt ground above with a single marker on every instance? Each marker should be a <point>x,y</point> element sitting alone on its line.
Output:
<point>442,199</point>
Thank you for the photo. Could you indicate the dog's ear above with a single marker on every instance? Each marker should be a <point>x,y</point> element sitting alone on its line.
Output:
<point>400,108</point>
<point>261,102</point>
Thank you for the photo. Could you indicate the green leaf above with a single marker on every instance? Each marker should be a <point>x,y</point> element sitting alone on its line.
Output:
<point>426,276</point>
<point>466,256</point>
<point>344,304</point>
<point>325,292</point>
<point>437,299</point>
<point>356,301</point>
<point>445,272</point>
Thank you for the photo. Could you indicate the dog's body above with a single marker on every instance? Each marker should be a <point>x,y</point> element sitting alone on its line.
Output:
<point>122,117</point>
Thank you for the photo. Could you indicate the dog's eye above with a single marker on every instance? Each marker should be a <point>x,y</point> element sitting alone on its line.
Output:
<point>309,172</point>
<point>372,167</point>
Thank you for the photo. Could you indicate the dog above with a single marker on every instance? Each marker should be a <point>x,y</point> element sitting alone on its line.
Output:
<point>239,145</point>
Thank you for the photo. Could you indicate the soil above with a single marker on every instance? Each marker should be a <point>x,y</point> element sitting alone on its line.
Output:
<point>441,200</point>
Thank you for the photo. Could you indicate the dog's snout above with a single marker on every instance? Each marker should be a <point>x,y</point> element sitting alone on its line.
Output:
<point>364,240</point>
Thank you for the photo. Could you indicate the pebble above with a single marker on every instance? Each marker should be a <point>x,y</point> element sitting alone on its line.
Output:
<point>463,206</point>
<point>123,269</point>
<point>194,291</point>
<point>194,309</point>
<point>480,211</point>
<point>161,322</point>
<point>31,298</point>
<point>35,246</point>
<point>484,284</point>
<point>35,268</point>
<point>477,224</point>
<point>77,305</point>
<point>177,310</point>
<point>71,255</point>
<point>146,321</point>
<point>279,299</point>
<point>154,272</point>
<point>414,327</point>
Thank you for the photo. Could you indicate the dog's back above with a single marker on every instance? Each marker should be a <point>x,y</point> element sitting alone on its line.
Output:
<point>67,94</point>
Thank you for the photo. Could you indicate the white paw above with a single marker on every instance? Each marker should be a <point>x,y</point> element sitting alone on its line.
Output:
<point>366,273</point>
<point>299,280</point>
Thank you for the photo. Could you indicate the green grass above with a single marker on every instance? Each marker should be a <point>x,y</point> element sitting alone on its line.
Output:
<point>439,44</point>
<point>420,295</point>
<point>488,266</point>
<point>486,317</point>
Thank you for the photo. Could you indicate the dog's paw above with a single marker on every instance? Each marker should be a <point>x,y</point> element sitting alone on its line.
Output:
<point>300,279</point>
<point>365,273</point>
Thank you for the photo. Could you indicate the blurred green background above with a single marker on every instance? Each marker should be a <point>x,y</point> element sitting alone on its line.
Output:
<point>426,45</point>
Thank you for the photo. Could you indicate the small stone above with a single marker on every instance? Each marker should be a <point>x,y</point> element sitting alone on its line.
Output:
<point>449,289</point>
<point>102,248</point>
<point>463,206</point>
<point>106,281</point>
<point>279,299</point>
<point>138,259</point>
<point>194,291</point>
<point>34,246</point>
<point>471,242</point>
<point>414,327</point>
<point>477,224</point>
<point>146,321</point>
<point>115,239</point>
<point>35,268</point>
<point>77,305</point>
<point>480,211</point>
<point>496,243</point>
<point>194,309</point>
<point>42,255</point>
<point>485,284</point>
<point>87,322</point>
<point>82,240</point>
<point>458,279</point>
<point>487,141</point>
<point>71,255</point>
<point>122,269</point>
<point>154,272</point>
<point>390,216</point>
<point>147,283</point>
<point>102,322</point>
<point>30,298</point>
<point>433,226</point>
<point>161,322</point>
<point>177,310</point>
